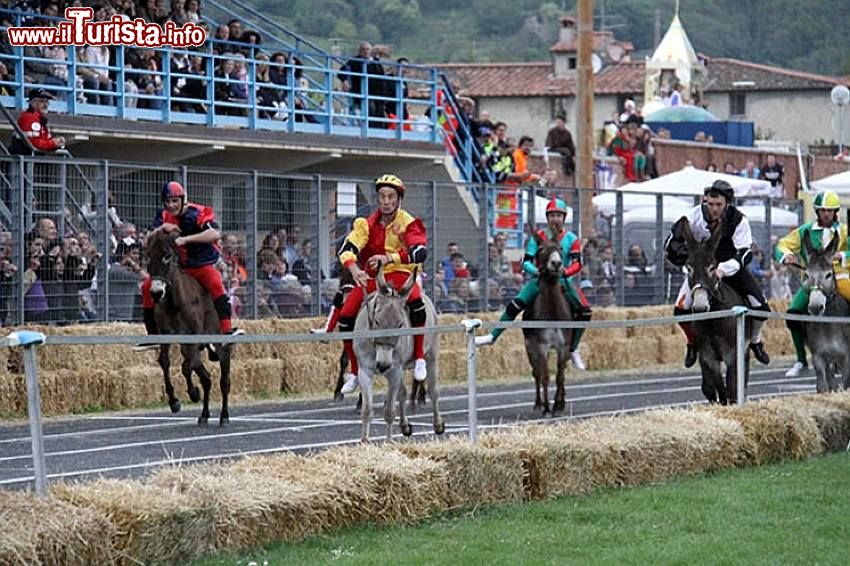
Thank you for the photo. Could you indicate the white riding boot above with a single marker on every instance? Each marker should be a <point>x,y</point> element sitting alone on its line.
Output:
<point>350,385</point>
<point>420,370</point>
<point>578,363</point>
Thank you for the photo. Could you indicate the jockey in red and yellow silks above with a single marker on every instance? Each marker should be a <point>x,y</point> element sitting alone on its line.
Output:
<point>197,250</point>
<point>395,239</point>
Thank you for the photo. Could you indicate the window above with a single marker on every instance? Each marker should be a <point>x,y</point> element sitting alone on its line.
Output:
<point>571,63</point>
<point>737,103</point>
<point>558,106</point>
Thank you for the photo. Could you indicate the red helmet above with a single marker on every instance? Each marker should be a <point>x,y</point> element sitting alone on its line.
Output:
<point>556,205</point>
<point>173,189</point>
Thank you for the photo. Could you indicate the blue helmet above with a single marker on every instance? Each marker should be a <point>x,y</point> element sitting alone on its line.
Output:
<point>173,189</point>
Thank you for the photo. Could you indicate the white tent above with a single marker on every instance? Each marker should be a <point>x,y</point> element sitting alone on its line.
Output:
<point>755,213</point>
<point>692,181</point>
<point>840,183</point>
<point>606,203</point>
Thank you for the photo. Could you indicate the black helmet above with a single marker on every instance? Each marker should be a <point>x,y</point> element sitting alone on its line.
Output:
<point>721,188</point>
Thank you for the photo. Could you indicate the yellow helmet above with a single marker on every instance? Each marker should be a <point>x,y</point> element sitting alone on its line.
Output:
<point>827,200</point>
<point>390,180</point>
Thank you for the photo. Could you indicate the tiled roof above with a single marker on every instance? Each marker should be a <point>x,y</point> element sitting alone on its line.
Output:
<point>722,73</point>
<point>537,79</point>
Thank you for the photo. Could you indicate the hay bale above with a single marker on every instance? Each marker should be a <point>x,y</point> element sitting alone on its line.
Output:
<point>671,349</point>
<point>408,489</point>
<point>832,420</point>
<point>554,463</point>
<point>772,432</point>
<point>38,530</point>
<point>339,497</point>
<point>624,352</point>
<point>251,509</point>
<point>660,311</point>
<point>13,395</point>
<point>477,474</point>
<point>152,525</point>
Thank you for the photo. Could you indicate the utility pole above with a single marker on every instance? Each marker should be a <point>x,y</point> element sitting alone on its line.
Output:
<point>656,37</point>
<point>584,94</point>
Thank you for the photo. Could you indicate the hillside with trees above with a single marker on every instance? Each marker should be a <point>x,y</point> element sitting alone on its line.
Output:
<point>807,36</point>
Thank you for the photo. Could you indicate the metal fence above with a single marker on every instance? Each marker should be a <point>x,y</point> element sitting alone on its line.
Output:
<point>72,229</point>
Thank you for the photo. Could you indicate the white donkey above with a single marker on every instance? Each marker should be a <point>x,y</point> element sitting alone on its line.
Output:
<point>386,309</point>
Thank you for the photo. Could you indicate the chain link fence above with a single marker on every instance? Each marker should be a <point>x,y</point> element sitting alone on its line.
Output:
<point>72,234</point>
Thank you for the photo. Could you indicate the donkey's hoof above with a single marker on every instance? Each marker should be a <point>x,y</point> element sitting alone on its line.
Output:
<point>223,421</point>
<point>559,406</point>
<point>364,440</point>
<point>407,429</point>
<point>203,421</point>
<point>440,427</point>
<point>194,395</point>
<point>338,397</point>
<point>175,405</point>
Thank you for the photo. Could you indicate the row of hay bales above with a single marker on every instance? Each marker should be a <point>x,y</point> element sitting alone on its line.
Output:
<point>181,513</point>
<point>75,378</point>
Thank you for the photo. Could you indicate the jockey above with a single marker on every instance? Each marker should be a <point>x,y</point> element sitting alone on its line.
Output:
<point>393,238</point>
<point>556,213</point>
<point>827,206</point>
<point>197,252</point>
<point>733,255</point>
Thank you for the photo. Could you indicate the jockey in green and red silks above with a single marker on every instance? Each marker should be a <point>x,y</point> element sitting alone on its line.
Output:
<point>556,214</point>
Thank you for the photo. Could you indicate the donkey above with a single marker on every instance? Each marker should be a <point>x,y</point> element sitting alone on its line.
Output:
<point>550,304</point>
<point>829,343</point>
<point>384,309</point>
<point>183,306</point>
<point>714,340</point>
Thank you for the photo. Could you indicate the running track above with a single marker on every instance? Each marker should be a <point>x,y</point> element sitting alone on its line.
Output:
<point>132,444</point>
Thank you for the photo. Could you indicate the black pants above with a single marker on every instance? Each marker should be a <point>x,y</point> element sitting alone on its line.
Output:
<point>746,285</point>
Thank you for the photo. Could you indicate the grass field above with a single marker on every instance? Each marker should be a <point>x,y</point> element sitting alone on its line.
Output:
<point>795,513</point>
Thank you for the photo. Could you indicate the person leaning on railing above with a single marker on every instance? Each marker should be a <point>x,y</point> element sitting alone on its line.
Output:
<point>33,124</point>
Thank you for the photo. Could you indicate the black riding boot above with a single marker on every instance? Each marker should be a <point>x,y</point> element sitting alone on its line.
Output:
<point>690,356</point>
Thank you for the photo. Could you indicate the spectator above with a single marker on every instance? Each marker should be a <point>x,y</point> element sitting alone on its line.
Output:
<point>729,168</point>
<point>750,171</point>
<point>93,67</point>
<point>760,269</point>
<point>33,124</point>
<point>448,269</point>
<point>36,308</point>
<point>461,299</point>
<point>501,130</point>
<point>235,28</point>
<point>711,167</point>
<point>351,76</point>
<point>460,267</point>
<point>193,11</point>
<point>775,173</point>
<point>234,258</point>
<point>560,140</point>
<point>301,266</point>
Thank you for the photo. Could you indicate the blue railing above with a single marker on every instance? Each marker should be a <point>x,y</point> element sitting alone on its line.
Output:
<point>298,94</point>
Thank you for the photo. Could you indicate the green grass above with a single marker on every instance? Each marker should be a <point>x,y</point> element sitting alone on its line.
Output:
<point>795,513</point>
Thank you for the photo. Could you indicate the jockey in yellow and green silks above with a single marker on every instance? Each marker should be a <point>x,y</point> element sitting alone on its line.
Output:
<point>556,213</point>
<point>827,206</point>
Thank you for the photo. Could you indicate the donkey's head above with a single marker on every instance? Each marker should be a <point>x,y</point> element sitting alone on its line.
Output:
<point>387,310</point>
<point>819,278</point>
<point>548,259</point>
<point>701,266</point>
<point>161,252</point>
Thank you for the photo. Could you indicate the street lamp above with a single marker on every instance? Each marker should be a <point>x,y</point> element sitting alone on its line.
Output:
<point>840,96</point>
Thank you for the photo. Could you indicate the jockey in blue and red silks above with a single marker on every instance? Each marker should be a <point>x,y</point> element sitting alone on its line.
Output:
<point>393,238</point>
<point>197,251</point>
<point>556,214</point>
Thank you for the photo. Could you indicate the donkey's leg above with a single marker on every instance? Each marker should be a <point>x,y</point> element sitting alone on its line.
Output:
<point>389,402</point>
<point>194,394</point>
<point>403,423</point>
<point>821,367</point>
<point>560,387</point>
<point>192,362</point>
<point>434,392</point>
<point>224,382</point>
<point>366,396</point>
<point>709,379</point>
<point>340,378</point>
<point>165,363</point>
<point>533,355</point>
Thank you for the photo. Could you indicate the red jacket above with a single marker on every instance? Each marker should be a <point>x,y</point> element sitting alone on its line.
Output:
<point>34,126</point>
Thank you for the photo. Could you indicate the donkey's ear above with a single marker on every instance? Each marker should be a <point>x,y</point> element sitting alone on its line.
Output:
<point>807,244</point>
<point>716,235</point>
<point>410,283</point>
<point>833,244</point>
<point>685,228</point>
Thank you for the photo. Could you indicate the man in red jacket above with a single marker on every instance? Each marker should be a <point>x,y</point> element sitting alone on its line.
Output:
<point>33,123</point>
